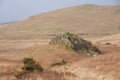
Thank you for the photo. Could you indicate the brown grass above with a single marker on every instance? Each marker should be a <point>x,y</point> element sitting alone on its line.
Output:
<point>49,54</point>
<point>96,21</point>
<point>46,55</point>
<point>103,67</point>
<point>113,39</point>
<point>107,64</point>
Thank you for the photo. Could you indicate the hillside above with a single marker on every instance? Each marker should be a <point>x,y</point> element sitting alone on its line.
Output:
<point>31,38</point>
<point>45,55</point>
<point>85,19</point>
<point>103,67</point>
<point>113,39</point>
<point>78,67</point>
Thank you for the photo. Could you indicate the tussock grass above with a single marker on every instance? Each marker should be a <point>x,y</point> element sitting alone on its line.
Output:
<point>49,54</point>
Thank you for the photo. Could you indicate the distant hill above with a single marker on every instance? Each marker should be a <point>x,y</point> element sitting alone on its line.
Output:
<point>84,19</point>
<point>11,22</point>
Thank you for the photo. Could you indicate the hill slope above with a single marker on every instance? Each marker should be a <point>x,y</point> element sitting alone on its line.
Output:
<point>87,19</point>
<point>113,39</point>
<point>103,67</point>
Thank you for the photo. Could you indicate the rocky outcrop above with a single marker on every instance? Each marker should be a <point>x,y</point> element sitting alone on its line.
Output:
<point>75,43</point>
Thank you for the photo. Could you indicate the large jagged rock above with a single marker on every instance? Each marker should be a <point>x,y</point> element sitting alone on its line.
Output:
<point>76,43</point>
